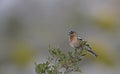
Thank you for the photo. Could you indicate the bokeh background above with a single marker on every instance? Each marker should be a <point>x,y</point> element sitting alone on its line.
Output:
<point>28,27</point>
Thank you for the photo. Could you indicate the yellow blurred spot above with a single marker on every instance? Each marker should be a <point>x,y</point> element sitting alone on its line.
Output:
<point>104,56</point>
<point>105,20</point>
<point>22,53</point>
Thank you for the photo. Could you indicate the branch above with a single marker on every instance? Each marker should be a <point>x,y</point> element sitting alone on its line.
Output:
<point>59,60</point>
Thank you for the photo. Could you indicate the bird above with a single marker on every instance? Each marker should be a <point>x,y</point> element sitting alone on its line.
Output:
<point>76,41</point>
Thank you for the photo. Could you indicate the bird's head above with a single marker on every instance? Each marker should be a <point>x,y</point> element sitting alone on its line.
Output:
<point>72,33</point>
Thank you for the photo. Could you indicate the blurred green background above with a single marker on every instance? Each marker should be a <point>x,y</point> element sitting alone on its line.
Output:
<point>27,27</point>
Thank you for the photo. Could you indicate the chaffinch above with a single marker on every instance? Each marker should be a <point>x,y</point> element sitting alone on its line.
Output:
<point>75,41</point>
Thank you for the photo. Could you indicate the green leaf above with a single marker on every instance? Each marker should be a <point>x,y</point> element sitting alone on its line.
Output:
<point>59,60</point>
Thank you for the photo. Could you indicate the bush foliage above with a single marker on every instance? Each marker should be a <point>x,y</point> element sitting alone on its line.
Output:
<point>60,63</point>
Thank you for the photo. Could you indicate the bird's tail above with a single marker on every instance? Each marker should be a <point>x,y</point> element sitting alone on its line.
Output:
<point>92,52</point>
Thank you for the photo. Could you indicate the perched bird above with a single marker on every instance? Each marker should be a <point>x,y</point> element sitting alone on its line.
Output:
<point>76,41</point>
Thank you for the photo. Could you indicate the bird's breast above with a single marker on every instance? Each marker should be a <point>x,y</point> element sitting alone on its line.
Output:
<point>75,44</point>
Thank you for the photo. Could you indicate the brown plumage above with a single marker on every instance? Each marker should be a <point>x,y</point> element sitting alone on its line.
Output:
<point>75,42</point>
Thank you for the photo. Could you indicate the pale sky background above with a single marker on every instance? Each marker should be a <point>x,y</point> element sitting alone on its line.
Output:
<point>37,23</point>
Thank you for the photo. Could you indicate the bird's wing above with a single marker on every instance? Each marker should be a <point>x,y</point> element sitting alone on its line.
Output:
<point>79,38</point>
<point>88,46</point>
